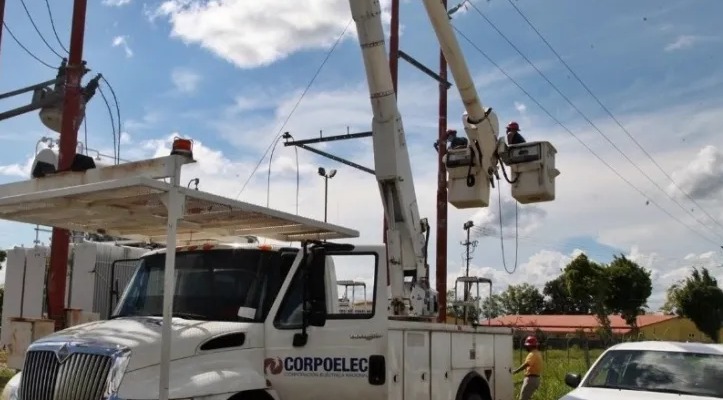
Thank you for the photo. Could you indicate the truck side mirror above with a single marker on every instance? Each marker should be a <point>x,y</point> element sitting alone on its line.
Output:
<point>572,380</point>
<point>314,293</point>
<point>315,287</point>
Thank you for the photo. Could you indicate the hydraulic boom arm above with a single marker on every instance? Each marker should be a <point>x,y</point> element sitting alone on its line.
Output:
<point>405,234</point>
<point>480,124</point>
<point>471,163</point>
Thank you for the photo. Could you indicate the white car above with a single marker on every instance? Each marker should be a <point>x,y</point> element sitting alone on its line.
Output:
<point>652,370</point>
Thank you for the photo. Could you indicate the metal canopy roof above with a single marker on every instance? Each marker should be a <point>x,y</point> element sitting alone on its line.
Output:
<point>133,208</point>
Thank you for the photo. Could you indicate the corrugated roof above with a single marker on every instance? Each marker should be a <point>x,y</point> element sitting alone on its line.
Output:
<point>571,323</point>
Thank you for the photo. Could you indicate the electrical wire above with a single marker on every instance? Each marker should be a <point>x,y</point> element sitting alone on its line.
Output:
<point>52,24</point>
<point>502,240</point>
<point>607,138</point>
<point>308,86</point>
<point>597,99</point>
<point>571,133</point>
<point>30,53</point>
<point>85,133</point>
<point>117,109</point>
<point>38,30</point>
<point>268,175</point>
<point>112,123</point>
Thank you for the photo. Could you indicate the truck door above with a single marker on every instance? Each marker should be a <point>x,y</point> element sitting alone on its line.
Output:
<point>342,354</point>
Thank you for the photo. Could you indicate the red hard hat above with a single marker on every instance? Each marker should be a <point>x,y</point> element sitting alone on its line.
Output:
<point>530,341</point>
<point>513,126</point>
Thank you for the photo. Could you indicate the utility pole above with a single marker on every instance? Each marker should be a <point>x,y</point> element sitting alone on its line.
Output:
<point>469,246</point>
<point>60,241</point>
<point>2,19</point>
<point>441,237</point>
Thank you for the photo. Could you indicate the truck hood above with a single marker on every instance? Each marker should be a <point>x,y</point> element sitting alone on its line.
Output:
<point>143,336</point>
<point>586,393</point>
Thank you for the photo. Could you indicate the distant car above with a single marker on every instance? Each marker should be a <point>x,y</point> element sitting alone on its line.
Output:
<point>652,370</point>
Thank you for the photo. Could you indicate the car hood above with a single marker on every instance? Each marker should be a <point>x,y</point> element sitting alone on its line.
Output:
<point>586,393</point>
<point>142,335</point>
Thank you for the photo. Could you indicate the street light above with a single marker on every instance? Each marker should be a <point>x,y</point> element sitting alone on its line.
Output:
<point>326,176</point>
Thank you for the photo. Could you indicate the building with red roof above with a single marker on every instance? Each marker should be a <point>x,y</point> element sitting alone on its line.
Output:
<point>650,326</point>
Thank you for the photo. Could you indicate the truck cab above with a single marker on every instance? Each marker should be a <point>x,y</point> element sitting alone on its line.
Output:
<point>258,320</point>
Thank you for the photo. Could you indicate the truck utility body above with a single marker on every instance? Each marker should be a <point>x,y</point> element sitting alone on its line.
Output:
<point>245,322</point>
<point>238,327</point>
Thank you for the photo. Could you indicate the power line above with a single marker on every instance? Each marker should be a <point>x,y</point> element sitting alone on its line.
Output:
<point>609,112</point>
<point>580,140</point>
<point>117,109</point>
<point>30,53</point>
<point>288,117</point>
<point>52,24</point>
<point>502,240</point>
<point>612,143</point>
<point>112,123</point>
<point>38,30</point>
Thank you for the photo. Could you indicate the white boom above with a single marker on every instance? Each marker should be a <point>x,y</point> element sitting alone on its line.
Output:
<point>471,163</point>
<point>405,233</point>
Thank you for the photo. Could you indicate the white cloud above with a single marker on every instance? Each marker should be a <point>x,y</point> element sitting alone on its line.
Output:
<point>185,80</point>
<point>520,107</point>
<point>252,34</point>
<point>702,178</point>
<point>683,42</point>
<point>125,138</point>
<point>122,41</point>
<point>116,3</point>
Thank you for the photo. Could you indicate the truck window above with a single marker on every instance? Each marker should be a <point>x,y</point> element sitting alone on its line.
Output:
<point>353,282</point>
<point>355,273</point>
<point>217,285</point>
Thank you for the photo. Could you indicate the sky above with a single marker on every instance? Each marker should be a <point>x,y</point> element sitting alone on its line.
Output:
<point>638,145</point>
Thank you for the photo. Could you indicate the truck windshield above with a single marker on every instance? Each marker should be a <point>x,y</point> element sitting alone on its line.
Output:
<point>217,285</point>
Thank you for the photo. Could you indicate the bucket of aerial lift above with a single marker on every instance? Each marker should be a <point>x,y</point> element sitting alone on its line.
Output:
<point>533,171</point>
<point>468,185</point>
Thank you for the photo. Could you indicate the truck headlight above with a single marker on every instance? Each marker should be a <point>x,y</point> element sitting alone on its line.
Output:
<point>10,392</point>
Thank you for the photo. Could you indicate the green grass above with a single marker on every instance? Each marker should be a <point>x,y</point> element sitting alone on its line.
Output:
<point>5,373</point>
<point>557,364</point>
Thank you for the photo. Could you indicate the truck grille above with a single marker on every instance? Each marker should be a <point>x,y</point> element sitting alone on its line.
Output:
<point>81,376</point>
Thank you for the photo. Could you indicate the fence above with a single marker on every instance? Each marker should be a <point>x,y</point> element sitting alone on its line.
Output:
<point>570,350</point>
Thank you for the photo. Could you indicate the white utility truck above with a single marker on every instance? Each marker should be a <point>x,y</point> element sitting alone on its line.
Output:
<point>203,320</point>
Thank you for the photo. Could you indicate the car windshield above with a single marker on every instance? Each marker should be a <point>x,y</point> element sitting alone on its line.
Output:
<point>659,371</point>
<point>218,285</point>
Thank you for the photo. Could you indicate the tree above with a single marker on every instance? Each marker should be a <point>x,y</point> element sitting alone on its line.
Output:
<point>523,299</point>
<point>491,307</point>
<point>557,298</point>
<point>2,297</point>
<point>588,284</point>
<point>700,299</point>
<point>473,313</point>
<point>628,290</point>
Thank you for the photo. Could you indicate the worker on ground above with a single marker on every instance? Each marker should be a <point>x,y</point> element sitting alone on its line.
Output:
<point>513,134</point>
<point>532,367</point>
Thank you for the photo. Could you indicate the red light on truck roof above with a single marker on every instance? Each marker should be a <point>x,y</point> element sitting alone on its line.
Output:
<point>182,147</point>
<point>265,247</point>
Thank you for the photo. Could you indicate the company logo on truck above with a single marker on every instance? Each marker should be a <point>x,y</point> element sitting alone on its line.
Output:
<point>326,367</point>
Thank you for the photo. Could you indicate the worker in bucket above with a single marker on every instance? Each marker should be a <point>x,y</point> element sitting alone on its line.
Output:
<point>532,367</point>
<point>513,134</point>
